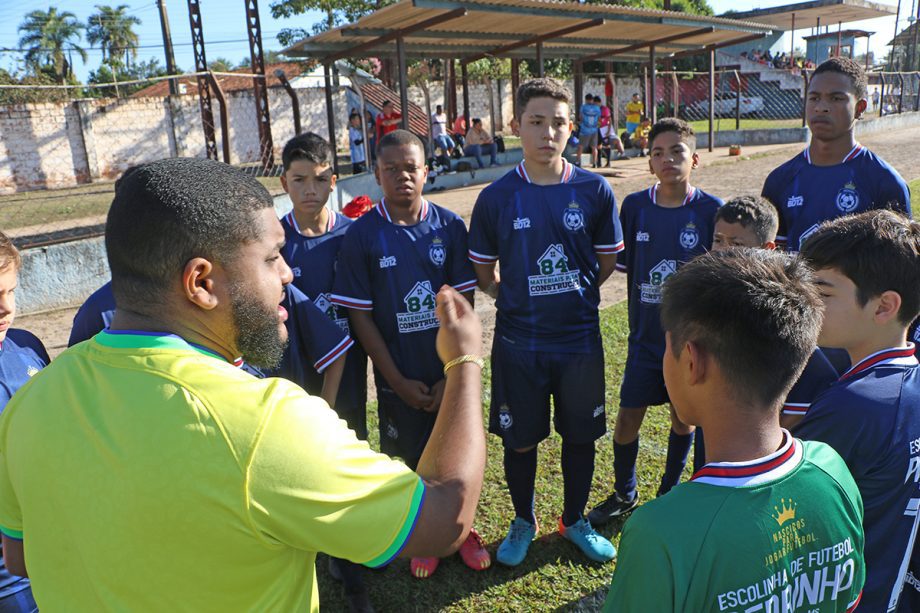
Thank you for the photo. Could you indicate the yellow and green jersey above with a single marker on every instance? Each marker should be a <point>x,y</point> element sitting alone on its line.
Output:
<point>144,473</point>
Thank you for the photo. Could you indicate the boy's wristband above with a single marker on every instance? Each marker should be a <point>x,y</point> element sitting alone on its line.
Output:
<point>475,359</point>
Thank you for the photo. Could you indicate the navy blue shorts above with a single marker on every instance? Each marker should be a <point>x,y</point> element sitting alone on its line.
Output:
<point>643,385</point>
<point>404,431</point>
<point>523,383</point>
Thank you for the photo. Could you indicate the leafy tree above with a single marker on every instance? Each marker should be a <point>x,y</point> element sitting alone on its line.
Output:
<point>113,30</point>
<point>338,12</point>
<point>136,72</point>
<point>220,64</point>
<point>271,57</point>
<point>49,37</point>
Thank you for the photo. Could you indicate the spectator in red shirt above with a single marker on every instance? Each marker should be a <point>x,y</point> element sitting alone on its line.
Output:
<point>387,120</point>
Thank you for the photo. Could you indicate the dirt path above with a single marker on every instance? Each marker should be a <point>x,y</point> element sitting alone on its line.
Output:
<point>719,174</point>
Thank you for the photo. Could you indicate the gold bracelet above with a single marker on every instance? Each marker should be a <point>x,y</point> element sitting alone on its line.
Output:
<point>475,359</point>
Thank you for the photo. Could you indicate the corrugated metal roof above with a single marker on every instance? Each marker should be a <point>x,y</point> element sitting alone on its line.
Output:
<point>807,13</point>
<point>490,24</point>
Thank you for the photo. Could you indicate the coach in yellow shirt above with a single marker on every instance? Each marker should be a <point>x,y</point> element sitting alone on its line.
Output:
<point>143,471</point>
<point>635,108</point>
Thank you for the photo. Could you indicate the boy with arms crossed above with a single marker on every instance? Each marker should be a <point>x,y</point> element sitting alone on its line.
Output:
<point>663,226</point>
<point>834,175</point>
<point>554,229</point>
<point>868,271</point>
<point>770,523</point>
<point>391,264</point>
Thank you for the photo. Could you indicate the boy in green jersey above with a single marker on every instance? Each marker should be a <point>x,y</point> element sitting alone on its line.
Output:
<point>770,523</point>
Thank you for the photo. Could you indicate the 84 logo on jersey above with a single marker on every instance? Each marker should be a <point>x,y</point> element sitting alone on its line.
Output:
<point>419,314</point>
<point>555,276</point>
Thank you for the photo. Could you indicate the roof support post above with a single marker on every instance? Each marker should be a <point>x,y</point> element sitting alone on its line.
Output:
<point>204,88</point>
<point>465,83</point>
<point>805,92</point>
<point>579,88</point>
<point>839,40</point>
<point>792,43</point>
<point>653,73</point>
<point>515,84</point>
<point>452,87</point>
<point>330,116</point>
<point>541,71</point>
<point>295,101</point>
<point>403,84</point>
<point>224,118</point>
<point>712,98</point>
<point>260,85</point>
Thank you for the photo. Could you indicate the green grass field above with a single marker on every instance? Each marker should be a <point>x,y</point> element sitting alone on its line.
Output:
<point>915,197</point>
<point>728,123</point>
<point>555,574</point>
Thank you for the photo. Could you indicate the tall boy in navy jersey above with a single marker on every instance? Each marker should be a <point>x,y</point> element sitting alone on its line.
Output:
<point>22,355</point>
<point>391,264</point>
<point>313,235</point>
<point>868,269</point>
<point>663,226</point>
<point>554,229</point>
<point>750,221</point>
<point>834,175</point>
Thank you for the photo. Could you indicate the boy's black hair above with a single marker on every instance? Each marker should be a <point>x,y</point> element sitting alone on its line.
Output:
<point>307,146</point>
<point>756,312</point>
<point>751,212</point>
<point>597,98</point>
<point>850,68</point>
<point>397,138</point>
<point>672,124</point>
<point>877,250</point>
<point>167,212</point>
<point>542,87</point>
<point>589,97</point>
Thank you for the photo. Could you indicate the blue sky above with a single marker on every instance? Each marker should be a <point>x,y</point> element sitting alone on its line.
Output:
<point>224,27</point>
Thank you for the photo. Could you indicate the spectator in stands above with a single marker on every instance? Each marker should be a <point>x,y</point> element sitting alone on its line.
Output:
<point>767,56</point>
<point>479,141</point>
<point>439,130</point>
<point>635,108</point>
<point>387,120</point>
<point>459,130</point>
<point>639,138</point>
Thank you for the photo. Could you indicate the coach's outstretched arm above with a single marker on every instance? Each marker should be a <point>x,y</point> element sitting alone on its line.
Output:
<point>453,462</point>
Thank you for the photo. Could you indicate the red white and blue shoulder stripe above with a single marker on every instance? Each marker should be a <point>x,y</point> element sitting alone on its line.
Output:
<point>352,303</point>
<point>795,408</point>
<point>897,356</point>
<point>609,249</point>
<point>855,152</point>
<point>382,210</point>
<point>334,354</point>
<point>481,258</point>
<point>466,286</point>
<point>755,472</point>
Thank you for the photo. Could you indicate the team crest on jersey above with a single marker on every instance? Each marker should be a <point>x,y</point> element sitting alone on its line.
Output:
<point>419,314</point>
<point>650,291</point>
<point>437,253</point>
<point>504,417</point>
<point>554,276</point>
<point>848,198</point>
<point>573,218</point>
<point>689,236</point>
<point>31,371</point>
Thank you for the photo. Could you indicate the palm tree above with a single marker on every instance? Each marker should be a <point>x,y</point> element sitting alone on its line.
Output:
<point>113,30</point>
<point>49,37</point>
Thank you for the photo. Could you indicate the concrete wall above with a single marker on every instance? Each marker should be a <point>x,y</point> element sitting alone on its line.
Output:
<point>61,275</point>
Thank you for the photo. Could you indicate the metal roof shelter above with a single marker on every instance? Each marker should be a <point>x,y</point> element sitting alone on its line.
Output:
<point>808,14</point>
<point>474,29</point>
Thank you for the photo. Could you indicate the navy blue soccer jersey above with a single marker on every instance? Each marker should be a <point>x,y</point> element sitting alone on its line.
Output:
<point>396,271</point>
<point>22,355</point>
<point>313,260</point>
<point>818,375</point>
<point>658,240</point>
<point>871,417</point>
<point>547,238</point>
<point>93,316</point>
<point>314,342</point>
<point>806,195</point>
